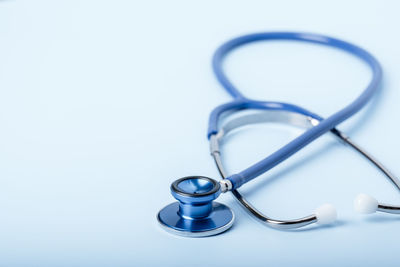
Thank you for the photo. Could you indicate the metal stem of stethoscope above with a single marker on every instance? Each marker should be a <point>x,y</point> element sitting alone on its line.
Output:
<point>294,119</point>
<point>380,207</point>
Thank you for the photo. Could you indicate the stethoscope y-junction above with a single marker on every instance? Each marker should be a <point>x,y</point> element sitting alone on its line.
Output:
<point>195,213</point>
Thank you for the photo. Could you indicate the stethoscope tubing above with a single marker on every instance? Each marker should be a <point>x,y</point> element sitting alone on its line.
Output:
<point>241,102</point>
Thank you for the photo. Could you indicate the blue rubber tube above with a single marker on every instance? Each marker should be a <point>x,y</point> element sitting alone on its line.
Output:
<point>241,102</point>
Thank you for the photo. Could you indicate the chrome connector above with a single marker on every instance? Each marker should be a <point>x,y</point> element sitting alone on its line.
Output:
<point>226,185</point>
<point>214,146</point>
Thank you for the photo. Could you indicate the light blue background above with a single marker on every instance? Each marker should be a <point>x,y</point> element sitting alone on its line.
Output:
<point>104,103</point>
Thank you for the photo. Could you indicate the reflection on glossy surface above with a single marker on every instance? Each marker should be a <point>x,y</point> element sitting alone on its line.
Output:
<point>196,186</point>
<point>220,219</point>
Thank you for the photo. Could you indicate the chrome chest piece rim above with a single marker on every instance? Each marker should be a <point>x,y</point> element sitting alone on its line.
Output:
<point>195,214</point>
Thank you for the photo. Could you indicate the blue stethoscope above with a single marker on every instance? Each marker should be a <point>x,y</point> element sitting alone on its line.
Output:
<point>195,214</point>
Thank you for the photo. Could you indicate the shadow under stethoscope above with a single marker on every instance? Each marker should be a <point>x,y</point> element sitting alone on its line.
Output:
<point>312,228</point>
<point>382,218</point>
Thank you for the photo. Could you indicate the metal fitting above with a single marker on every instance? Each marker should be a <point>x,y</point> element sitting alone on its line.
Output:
<point>226,185</point>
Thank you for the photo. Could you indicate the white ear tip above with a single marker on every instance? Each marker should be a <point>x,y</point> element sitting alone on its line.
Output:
<point>326,214</point>
<point>365,204</point>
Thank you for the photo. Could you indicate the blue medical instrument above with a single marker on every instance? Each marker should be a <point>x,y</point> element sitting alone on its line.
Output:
<point>195,213</point>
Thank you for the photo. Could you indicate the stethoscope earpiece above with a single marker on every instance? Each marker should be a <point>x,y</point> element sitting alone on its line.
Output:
<point>365,204</point>
<point>326,214</point>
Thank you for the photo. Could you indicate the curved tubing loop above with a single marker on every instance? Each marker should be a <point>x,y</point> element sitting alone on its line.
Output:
<point>241,102</point>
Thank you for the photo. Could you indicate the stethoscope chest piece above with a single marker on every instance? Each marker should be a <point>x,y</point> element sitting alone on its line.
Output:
<point>195,214</point>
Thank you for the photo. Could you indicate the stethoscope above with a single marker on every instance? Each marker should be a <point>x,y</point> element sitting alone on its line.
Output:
<point>195,214</point>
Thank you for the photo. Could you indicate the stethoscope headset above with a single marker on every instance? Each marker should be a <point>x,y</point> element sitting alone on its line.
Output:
<point>196,214</point>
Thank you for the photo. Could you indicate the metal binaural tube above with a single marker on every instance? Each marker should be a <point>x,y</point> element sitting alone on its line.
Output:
<point>388,208</point>
<point>300,120</point>
<point>278,224</point>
